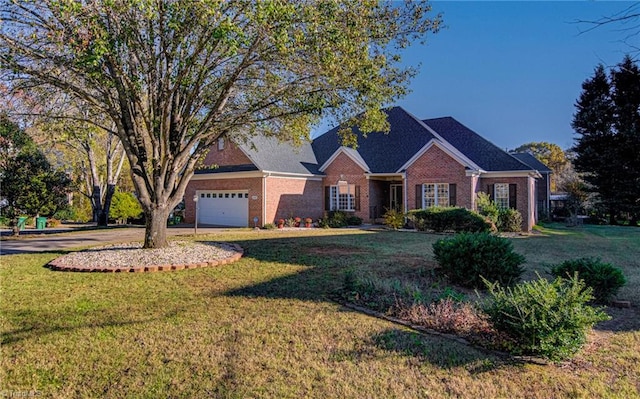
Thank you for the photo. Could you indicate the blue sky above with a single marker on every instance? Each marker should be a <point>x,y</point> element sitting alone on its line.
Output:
<point>510,70</point>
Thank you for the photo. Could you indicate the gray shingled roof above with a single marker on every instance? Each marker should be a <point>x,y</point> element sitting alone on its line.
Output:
<point>383,153</point>
<point>270,154</point>
<point>532,161</point>
<point>481,151</point>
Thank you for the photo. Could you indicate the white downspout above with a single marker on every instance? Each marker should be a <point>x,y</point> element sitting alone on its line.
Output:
<point>406,192</point>
<point>264,198</point>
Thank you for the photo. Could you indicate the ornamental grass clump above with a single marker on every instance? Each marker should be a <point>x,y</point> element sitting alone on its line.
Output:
<point>467,258</point>
<point>604,278</point>
<point>542,318</point>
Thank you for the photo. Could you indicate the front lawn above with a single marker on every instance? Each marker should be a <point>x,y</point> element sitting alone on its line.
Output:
<point>266,327</point>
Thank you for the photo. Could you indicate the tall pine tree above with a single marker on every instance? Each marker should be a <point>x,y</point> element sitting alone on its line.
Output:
<point>607,121</point>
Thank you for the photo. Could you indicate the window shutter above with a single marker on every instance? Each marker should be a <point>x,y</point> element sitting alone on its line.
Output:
<point>452,195</point>
<point>327,198</point>
<point>490,191</point>
<point>513,195</point>
<point>418,196</point>
<point>357,199</point>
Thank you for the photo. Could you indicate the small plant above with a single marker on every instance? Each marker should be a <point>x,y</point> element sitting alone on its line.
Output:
<point>394,219</point>
<point>468,257</point>
<point>509,220</point>
<point>542,318</point>
<point>269,226</point>
<point>451,294</point>
<point>604,278</point>
<point>290,222</point>
<point>53,222</point>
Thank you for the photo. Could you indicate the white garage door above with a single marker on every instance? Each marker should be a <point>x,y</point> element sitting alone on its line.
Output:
<point>223,208</point>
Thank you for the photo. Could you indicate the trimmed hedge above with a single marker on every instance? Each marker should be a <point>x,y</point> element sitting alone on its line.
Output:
<point>467,258</point>
<point>604,278</point>
<point>542,318</point>
<point>335,219</point>
<point>441,219</point>
<point>509,220</point>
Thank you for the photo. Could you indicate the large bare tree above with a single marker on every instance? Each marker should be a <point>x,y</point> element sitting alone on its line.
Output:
<point>174,75</point>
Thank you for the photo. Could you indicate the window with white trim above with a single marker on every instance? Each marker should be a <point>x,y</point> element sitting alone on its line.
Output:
<point>435,194</point>
<point>343,197</point>
<point>501,195</point>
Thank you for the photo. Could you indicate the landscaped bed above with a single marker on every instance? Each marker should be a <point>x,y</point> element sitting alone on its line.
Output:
<point>131,257</point>
<point>266,325</point>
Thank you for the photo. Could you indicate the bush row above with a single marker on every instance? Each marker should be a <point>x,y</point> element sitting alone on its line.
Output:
<point>335,219</point>
<point>439,219</point>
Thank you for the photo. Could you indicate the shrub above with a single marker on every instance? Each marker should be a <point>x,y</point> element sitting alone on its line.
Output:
<point>124,205</point>
<point>542,318</point>
<point>337,219</point>
<point>604,278</point>
<point>509,220</point>
<point>269,226</point>
<point>441,219</point>
<point>354,220</point>
<point>394,219</point>
<point>53,222</point>
<point>468,257</point>
<point>290,222</point>
<point>487,208</point>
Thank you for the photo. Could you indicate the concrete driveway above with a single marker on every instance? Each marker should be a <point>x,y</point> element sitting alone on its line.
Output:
<point>86,238</point>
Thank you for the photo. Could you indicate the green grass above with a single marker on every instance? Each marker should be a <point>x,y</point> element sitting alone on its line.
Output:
<point>264,326</point>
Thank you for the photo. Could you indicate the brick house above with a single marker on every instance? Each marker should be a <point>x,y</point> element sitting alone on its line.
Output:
<point>418,164</point>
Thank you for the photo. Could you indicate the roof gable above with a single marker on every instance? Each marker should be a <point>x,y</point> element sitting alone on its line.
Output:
<point>381,152</point>
<point>482,152</point>
<point>349,152</point>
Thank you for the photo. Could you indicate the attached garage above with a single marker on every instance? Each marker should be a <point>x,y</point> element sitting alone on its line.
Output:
<point>223,207</point>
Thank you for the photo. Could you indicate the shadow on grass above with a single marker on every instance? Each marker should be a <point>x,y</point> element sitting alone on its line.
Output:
<point>437,351</point>
<point>324,260</point>
<point>39,326</point>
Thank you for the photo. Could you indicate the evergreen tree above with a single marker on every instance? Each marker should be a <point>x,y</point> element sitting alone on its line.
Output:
<point>607,123</point>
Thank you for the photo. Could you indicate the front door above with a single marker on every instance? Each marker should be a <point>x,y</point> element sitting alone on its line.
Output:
<point>395,202</point>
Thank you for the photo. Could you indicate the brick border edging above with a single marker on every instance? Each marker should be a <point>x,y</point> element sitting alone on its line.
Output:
<point>451,337</point>
<point>150,268</point>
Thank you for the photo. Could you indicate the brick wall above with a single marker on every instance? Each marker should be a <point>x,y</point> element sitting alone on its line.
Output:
<point>524,192</point>
<point>436,166</point>
<point>293,197</point>
<point>230,155</point>
<point>344,168</point>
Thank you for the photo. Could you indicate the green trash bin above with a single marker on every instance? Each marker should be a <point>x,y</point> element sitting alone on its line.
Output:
<point>22,222</point>
<point>41,223</point>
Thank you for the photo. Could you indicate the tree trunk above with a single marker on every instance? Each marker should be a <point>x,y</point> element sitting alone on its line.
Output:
<point>15,228</point>
<point>103,220</point>
<point>612,216</point>
<point>155,235</point>
<point>96,205</point>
